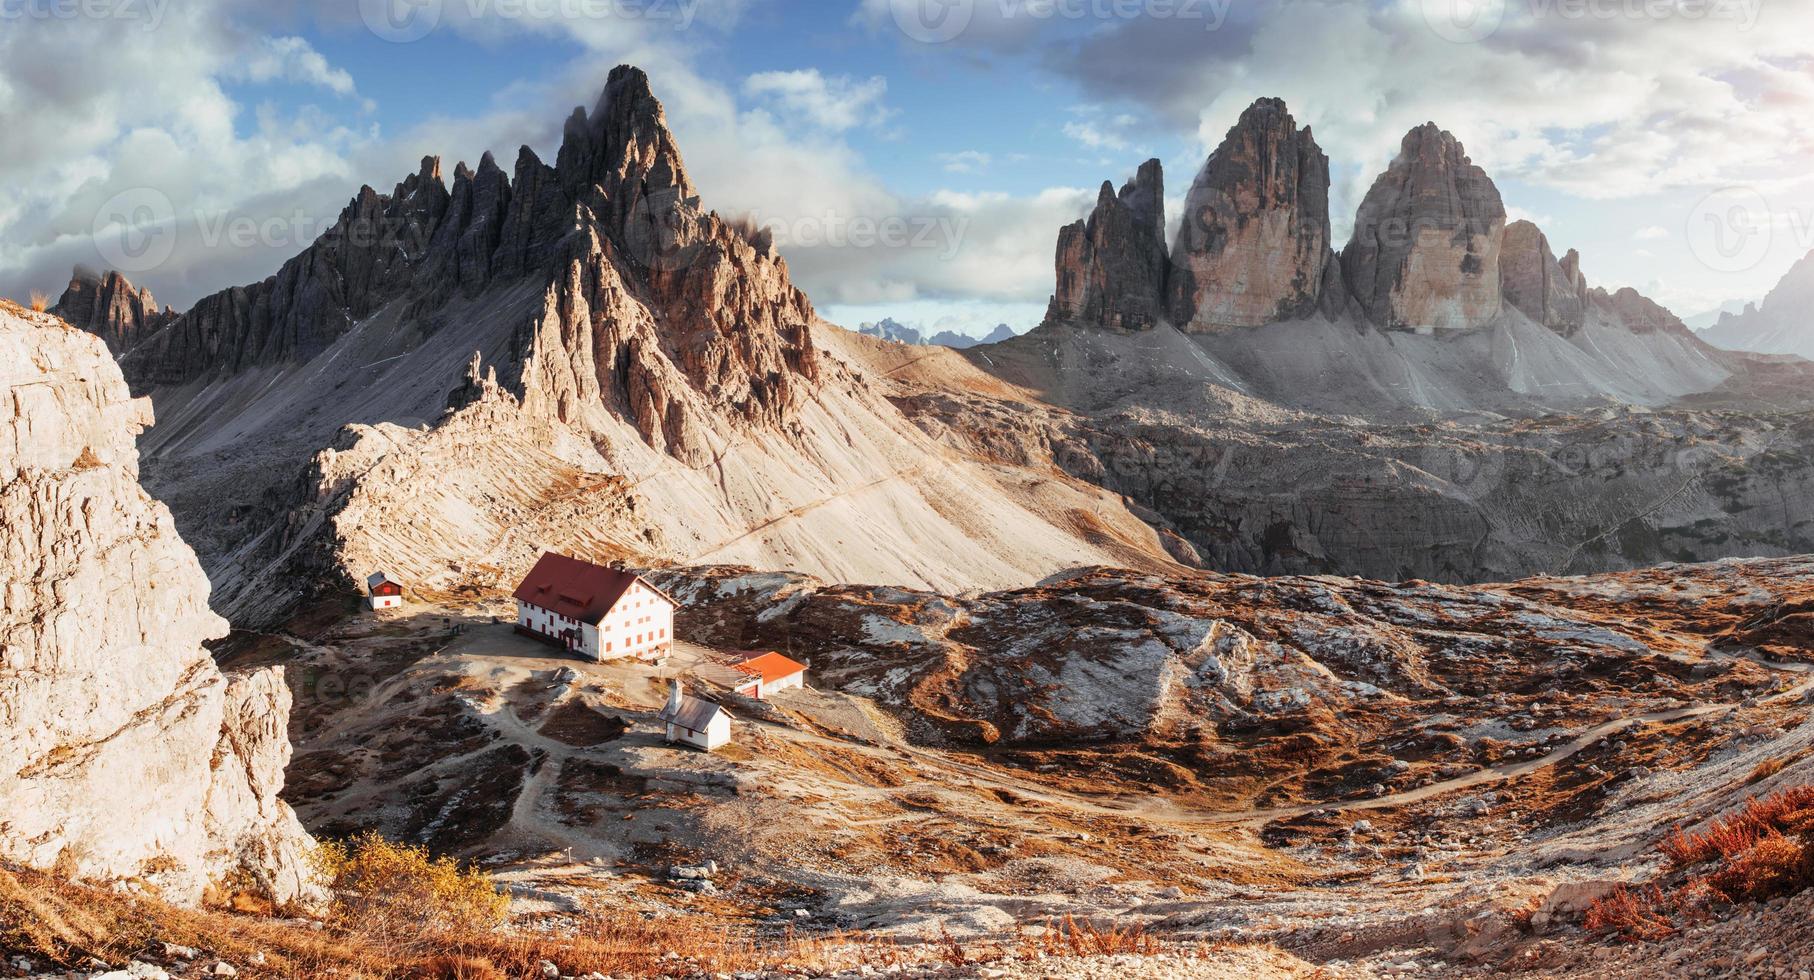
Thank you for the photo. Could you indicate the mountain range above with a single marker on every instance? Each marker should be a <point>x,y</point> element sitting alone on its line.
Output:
<point>889,328</point>
<point>582,356</point>
<point>1782,325</point>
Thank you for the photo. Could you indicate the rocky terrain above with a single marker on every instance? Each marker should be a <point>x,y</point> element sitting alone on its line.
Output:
<point>125,754</point>
<point>1362,774</point>
<point>621,372</point>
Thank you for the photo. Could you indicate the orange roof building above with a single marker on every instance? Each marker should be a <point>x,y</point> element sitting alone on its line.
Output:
<point>769,672</point>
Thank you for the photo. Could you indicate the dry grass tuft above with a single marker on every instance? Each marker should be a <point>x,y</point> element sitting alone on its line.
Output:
<point>1762,851</point>
<point>1766,769</point>
<point>1732,835</point>
<point>1635,916</point>
<point>1071,937</point>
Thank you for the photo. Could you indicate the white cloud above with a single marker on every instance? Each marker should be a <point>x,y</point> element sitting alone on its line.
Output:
<point>836,103</point>
<point>1652,233</point>
<point>1091,136</point>
<point>291,59</point>
<point>965,161</point>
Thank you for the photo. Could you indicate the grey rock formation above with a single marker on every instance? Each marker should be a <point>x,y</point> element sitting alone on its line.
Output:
<point>124,751</point>
<point>1254,244</point>
<point>1111,267</point>
<point>110,308</point>
<point>1425,250</point>
<point>365,260</point>
<point>1639,313</point>
<point>1783,324</point>
<point>1536,284</point>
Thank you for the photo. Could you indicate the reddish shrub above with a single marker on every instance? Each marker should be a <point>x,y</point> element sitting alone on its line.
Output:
<point>1635,916</point>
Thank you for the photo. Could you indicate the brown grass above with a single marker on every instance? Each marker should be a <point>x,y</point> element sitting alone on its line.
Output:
<point>1764,850</point>
<point>39,302</point>
<point>1635,916</point>
<point>1071,937</point>
<point>1766,769</point>
<point>1734,834</point>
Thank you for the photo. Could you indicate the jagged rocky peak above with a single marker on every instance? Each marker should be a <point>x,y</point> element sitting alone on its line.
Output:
<point>623,161</point>
<point>125,754</point>
<point>1536,284</point>
<point>1254,244</point>
<point>1111,266</point>
<point>110,308</point>
<point>1425,251</point>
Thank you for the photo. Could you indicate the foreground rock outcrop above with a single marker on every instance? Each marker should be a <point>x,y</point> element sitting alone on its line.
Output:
<point>1425,251</point>
<point>1254,247</point>
<point>1111,268</point>
<point>124,751</point>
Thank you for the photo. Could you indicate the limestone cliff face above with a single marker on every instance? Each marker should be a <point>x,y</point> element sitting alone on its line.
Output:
<point>1254,244</point>
<point>1425,251</point>
<point>110,308</point>
<point>124,751</point>
<point>1112,267</point>
<point>1536,284</point>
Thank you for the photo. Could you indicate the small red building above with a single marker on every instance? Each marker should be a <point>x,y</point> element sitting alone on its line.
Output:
<point>383,592</point>
<point>768,673</point>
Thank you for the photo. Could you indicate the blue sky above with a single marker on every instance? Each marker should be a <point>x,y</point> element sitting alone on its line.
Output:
<point>1616,124</point>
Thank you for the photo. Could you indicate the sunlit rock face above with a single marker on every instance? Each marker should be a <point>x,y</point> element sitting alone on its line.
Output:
<point>1253,247</point>
<point>1425,251</point>
<point>1111,267</point>
<point>124,751</point>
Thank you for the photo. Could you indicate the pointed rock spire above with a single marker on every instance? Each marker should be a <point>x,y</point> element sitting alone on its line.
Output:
<point>1111,267</point>
<point>1425,251</point>
<point>1254,244</point>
